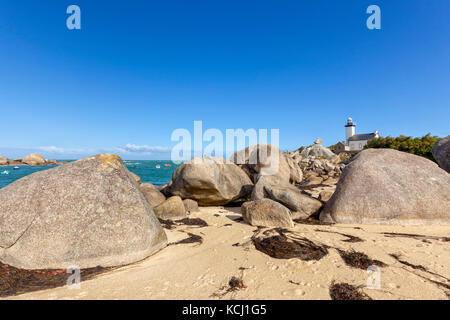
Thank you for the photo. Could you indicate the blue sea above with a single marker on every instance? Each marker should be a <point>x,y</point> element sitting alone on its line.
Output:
<point>146,169</point>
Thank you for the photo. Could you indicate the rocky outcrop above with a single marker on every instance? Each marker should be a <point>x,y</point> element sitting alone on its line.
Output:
<point>190,205</point>
<point>321,168</point>
<point>152,194</point>
<point>266,213</point>
<point>3,161</point>
<point>272,187</point>
<point>210,181</point>
<point>267,160</point>
<point>441,152</point>
<point>385,186</point>
<point>86,213</point>
<point>317,151</point>
<point>171,209</point>
<point>34,159</point>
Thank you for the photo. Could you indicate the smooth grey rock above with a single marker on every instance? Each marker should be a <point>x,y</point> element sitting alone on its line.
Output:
<point>210,181</point>
<point>171,209</point>
<point>385,186</point>
<point>291,197</point>
<point>441,152</point>
<point>85,213</point>
<point>152,194</point>
<point>266,213</point>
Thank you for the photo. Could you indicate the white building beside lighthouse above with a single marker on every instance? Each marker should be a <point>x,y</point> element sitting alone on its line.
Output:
<point>356,142</point>
<point>353,141</point>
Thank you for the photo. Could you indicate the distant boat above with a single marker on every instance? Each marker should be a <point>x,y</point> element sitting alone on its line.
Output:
<point>4,172</point>
<point>167,165</point>
<point>16,167</point>
<point>158,166</point>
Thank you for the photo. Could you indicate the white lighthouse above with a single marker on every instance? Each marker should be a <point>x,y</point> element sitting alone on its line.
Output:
<point>353,141</point>
<point>356,142</point>
<point>349,129</point>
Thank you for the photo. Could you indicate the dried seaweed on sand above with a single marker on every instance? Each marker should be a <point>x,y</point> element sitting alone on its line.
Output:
<point>284,244</point>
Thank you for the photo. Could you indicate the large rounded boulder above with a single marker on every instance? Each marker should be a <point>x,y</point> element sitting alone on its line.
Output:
<point>33,159</point>
<point>385,186</point>
<point>267,160</point>
<point>266,213</point>
<point>86,213</point>
<point>441,152</point>
<point>171,209</point>
<point>210,181</point>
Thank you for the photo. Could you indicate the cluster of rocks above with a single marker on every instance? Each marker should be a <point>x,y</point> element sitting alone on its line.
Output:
<point>259,172</point>
<point>95,212</point>
<point>275,175</point>
<point>33,159</point>
<point>170,208</point>
<point>377,186</point>
<point>321,169</point>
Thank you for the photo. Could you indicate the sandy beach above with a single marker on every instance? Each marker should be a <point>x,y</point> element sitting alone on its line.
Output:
<point>223,152</point>
<point>203,270</point>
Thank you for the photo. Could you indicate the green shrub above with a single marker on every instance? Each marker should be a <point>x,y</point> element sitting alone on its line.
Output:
<point>418,146</point>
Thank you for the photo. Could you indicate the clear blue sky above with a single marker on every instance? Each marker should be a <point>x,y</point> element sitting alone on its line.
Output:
<point>137,70</point>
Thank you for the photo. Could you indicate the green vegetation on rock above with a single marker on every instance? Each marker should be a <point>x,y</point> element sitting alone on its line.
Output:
<point>418,146</point>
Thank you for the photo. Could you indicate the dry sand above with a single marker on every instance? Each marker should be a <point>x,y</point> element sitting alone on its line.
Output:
<point>202,271</point>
